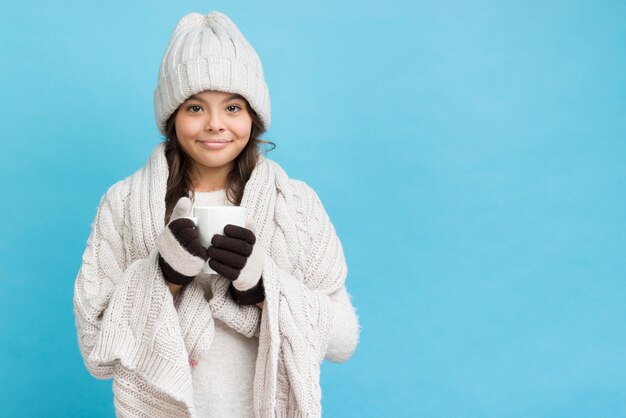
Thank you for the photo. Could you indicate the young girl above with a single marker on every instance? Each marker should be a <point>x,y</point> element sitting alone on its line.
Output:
<point>249,340</point>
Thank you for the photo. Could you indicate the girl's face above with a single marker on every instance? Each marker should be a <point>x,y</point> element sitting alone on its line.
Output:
<point>213,128</point>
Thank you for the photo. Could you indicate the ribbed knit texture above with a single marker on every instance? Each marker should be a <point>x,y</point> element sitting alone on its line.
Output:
<point>209,52</point>
<point>129,329</point>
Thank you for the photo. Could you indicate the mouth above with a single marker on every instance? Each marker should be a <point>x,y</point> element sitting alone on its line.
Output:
<point>214,143</point>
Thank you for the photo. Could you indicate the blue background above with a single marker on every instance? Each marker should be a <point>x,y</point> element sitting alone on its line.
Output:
<point>470,154</point>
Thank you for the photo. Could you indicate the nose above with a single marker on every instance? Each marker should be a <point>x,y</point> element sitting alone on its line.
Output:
<point>214,122</point>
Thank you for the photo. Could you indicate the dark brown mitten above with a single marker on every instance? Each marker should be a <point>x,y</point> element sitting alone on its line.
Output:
<point>237,256</point>
<point>181,255</point>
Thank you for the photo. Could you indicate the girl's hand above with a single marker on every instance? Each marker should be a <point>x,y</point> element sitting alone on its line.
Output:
<point>236,256</point>
<point>181,255</point>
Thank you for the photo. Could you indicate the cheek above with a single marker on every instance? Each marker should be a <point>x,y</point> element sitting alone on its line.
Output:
<point>183,131</point>
<point>187,127</point>
<point>244,130</point>
<point>245,134</point>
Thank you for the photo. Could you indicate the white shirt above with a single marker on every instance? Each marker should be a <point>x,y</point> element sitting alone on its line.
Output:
<point>223,381</point>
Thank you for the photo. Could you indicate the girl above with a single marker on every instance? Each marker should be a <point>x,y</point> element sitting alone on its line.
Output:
<point>247,341</point>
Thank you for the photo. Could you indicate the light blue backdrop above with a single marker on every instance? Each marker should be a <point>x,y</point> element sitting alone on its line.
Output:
<point>471,155</point>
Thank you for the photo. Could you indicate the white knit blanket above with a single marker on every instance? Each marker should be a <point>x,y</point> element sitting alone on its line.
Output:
<point>131,329</point>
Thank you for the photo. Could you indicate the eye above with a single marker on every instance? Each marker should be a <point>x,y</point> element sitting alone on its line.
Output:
<point>233,108</point>
<point>194,108</point>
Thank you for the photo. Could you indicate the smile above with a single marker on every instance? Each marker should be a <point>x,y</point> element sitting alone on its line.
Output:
<point>216,144</point>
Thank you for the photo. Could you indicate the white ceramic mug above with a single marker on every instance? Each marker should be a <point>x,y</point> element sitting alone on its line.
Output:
<point>211,220</point>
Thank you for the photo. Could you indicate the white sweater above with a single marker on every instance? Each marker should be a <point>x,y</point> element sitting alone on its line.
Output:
<point>223,381</point>
<point>131,329</point>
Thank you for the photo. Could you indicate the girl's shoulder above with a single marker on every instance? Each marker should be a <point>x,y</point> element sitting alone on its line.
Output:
<point>302,193</point>
<point>117,194</point>
<point>154,168</point>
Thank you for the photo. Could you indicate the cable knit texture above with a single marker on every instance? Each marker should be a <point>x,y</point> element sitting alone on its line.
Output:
<point>132,330</point>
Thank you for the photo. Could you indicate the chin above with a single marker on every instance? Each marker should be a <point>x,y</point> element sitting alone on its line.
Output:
<point>216,163</point>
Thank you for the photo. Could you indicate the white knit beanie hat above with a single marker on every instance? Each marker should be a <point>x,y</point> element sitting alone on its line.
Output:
<point>209,53</point>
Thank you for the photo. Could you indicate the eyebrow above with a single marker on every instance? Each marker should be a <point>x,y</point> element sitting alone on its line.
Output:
<point>227,99</point>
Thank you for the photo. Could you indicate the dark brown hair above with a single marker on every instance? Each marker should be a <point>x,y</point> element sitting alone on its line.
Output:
<point>179,164</point>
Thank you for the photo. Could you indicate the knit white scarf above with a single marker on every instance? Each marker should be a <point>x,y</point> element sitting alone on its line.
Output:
<point>145,341</point>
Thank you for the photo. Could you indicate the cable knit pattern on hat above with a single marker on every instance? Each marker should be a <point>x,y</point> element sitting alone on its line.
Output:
<point>130,328</point>
<point>208,52</point>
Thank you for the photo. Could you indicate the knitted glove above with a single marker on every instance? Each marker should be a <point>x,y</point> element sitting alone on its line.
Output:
<point>235,256</point>
<point>181,255</point>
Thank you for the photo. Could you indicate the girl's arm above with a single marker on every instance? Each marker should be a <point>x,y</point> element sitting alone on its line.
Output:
<point>111,314</point>
<point>319,306</point>
<point>103,262</point>
<point>344,329</point>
